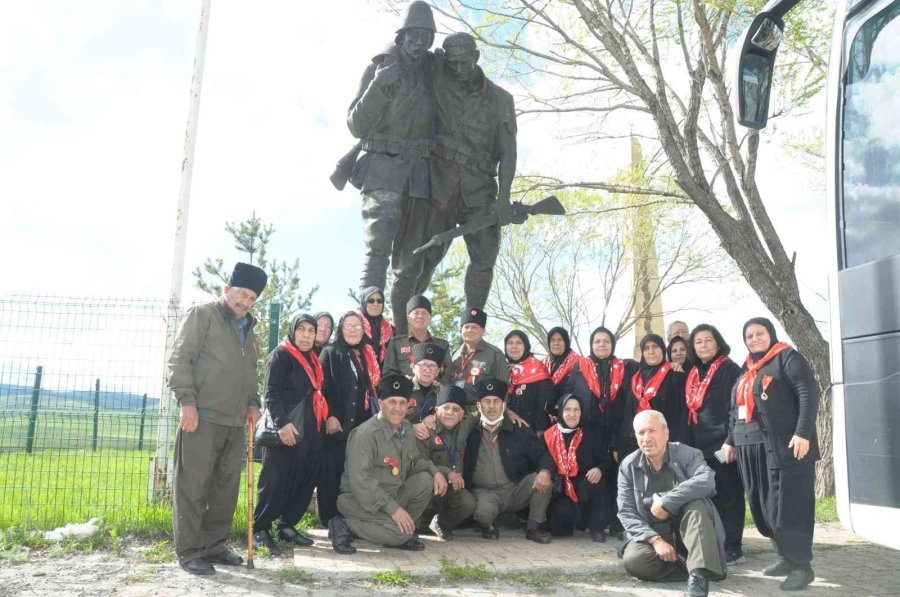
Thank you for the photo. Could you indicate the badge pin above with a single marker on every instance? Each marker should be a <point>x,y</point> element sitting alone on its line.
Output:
<point>764,396</point>
<point>395,471</point>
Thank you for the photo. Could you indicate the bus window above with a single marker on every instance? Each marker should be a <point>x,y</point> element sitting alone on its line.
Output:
<point>871,141</point>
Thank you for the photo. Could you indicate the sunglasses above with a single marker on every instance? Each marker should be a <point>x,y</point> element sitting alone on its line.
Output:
<point>375,301</point>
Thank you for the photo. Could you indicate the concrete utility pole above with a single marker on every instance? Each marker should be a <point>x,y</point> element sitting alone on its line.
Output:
<point>648,309</point>
<point>160,482</point>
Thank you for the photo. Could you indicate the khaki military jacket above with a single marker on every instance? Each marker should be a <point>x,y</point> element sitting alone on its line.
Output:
<point>486,361</point>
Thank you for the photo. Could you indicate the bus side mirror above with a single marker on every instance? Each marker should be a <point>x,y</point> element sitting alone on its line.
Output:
<point>755,66</point>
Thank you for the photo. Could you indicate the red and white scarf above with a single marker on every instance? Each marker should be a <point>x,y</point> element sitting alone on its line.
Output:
<point>564,368</point>
<point>695,390</point>
<point>616,376</point>
<point>744,393</point>
<point>316,376</point>
<point>566,463</point>
<point>387,332</point>
<point>644,394</point>
<point>530,370</point>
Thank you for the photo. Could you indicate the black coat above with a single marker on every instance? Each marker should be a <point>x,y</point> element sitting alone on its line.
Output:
<point>532,404</point>
<point>346,382</point>
<point>790,409</point>
<point>669,400</point>
<point>286,386</point>
<point>714,416</point>
<point>521,452</point>
<point>610,419</point>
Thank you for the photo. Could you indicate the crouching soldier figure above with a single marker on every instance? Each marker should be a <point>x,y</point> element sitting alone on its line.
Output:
<point>387,483</point>
<point>673,530</point>
<point>507,466</point>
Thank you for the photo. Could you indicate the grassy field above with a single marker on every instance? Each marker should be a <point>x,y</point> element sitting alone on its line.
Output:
<point>70,430</point>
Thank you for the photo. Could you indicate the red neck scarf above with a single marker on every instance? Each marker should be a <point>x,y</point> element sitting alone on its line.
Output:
<point>316,376</point>
<point>566,463</point>
<point>372,369</point>
<point>616,376</point>
<point>528,371</point>
<point>695,390</point>
<point>387,332</point>
<point>645,394</point>
<point>744,393</point>
<point>564,368</point>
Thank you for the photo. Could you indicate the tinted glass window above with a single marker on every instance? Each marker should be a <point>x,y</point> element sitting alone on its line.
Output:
<point>871,141</point>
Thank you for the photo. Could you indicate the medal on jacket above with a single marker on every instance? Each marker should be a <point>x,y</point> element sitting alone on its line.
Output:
<point>394,464</point>
<point>520,390</point>
<point>767,379</point>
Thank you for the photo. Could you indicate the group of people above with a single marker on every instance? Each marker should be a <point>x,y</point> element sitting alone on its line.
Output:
<point>398,435</point>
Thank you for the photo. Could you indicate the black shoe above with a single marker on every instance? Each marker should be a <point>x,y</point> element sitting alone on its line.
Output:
<point>598,536</point>
<point>443,532</point>
<point>264,539</point>
<point>291,535</point>
<point>199,566</point>
<point>780,568</point>
<point>698,584</point>
<point>414,544</point>
<point>537,536</point>
<point>490,532</point>
<point>341,537</point>
<point>621,536</point>
<point>798,579</point>
<point>735,557</point>
<point>226,558</point>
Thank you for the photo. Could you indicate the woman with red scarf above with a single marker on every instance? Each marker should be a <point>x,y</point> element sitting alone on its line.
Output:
<point>378,330</point>
<point>708,400</point>
<point>655,386</point>
<point>773,437</point>
<point>561,359</point>
<point>583,472</point>
<point>530,388</point>
<point>351,376</point>
<point>289,472</point>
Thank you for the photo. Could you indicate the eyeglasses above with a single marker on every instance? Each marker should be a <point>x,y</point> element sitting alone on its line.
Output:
<point>428,366</point>
<point>352,327</point>
<point>375,301</point>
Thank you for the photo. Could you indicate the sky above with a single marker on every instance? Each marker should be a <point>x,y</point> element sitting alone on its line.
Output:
<point>93,106</point>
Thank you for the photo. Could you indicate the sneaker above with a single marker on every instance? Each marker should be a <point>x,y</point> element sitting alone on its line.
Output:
<point>443,532</point>
<point>735,557</point>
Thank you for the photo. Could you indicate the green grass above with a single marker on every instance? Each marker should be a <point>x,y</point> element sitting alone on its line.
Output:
<point>451,571</point>
<point>826,511</point>
<point>393,578</point>
<point>161,552</point>
<point>537,580</point>
<point>140,577</point>
<point>293,576</point>
<point>74,430</point>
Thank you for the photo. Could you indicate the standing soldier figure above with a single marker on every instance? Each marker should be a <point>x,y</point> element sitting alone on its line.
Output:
<point>392,114</point>
<point>212,372</point>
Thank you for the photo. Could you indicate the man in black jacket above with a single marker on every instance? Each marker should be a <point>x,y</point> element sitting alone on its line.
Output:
<point>507,466</point>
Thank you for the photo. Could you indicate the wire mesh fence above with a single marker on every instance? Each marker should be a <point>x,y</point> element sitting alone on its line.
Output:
<point>82,382</point>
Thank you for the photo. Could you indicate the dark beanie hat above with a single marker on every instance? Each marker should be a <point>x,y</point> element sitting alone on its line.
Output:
<point>473,315</point>
<point>454,394</point>
<point>656,339</point>
<point>418,302</point>
<point>394,385</point>
<point>429,351</point>
<point>491,386</point>
<point>248,276</point>
<point>766,323</point>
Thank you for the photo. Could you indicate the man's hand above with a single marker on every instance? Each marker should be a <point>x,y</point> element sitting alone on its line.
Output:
<point>657,510</point>
<point>594,475</point>
<point>456,480</point>
<point>800,446</point>
<point>516,419</point>
<point>387,75</point>
<point>504,212</point>
<point>189,418</point>
<point>664,550</point>
<point>404,521</point>
<point>332,426</point>
<point>542,481</point>
<point>440,484</point>
<point>421,431</point>
<point>429,422</point>
<point>288,434</point>
<point>730,453</point>
<point>253,416</point>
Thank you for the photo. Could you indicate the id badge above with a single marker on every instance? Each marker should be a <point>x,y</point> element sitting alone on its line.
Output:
<point>742,412</point>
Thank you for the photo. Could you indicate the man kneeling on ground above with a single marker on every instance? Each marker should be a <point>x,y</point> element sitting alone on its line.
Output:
<point>671,525</point>
<point>387,483</point>
<point>507,466</point>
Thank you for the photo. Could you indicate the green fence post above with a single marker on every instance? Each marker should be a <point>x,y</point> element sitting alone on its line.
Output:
<point>32,417</point>
<point>96,414</point>
<point>274,325</point>
<point>143,415</point>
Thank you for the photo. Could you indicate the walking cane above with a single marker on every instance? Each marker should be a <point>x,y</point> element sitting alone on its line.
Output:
<point>250,565</point>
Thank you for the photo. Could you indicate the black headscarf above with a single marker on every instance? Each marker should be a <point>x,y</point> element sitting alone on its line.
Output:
<point>566,340</point>
<point>525,341</point>
<point>374,321</point>
<point>612,337</point>
<point>295,323</point>
<point>673,342</point>
<point>317,317</point>
<point>766,323</point>
<point>339,337</point>
<point>560,406</point>
<point>646,370</point>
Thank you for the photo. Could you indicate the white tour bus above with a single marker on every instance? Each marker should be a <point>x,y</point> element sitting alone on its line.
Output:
<point>863,197</point>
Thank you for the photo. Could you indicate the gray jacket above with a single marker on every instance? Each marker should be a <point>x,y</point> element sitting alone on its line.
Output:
<point>696,481</point>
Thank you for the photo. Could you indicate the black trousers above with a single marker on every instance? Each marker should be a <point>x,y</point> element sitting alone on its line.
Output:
<point>335,452</point>
<point>286,483</point>
<point>591,511</point>
<point>729,501</point>
<point>782,501</point>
